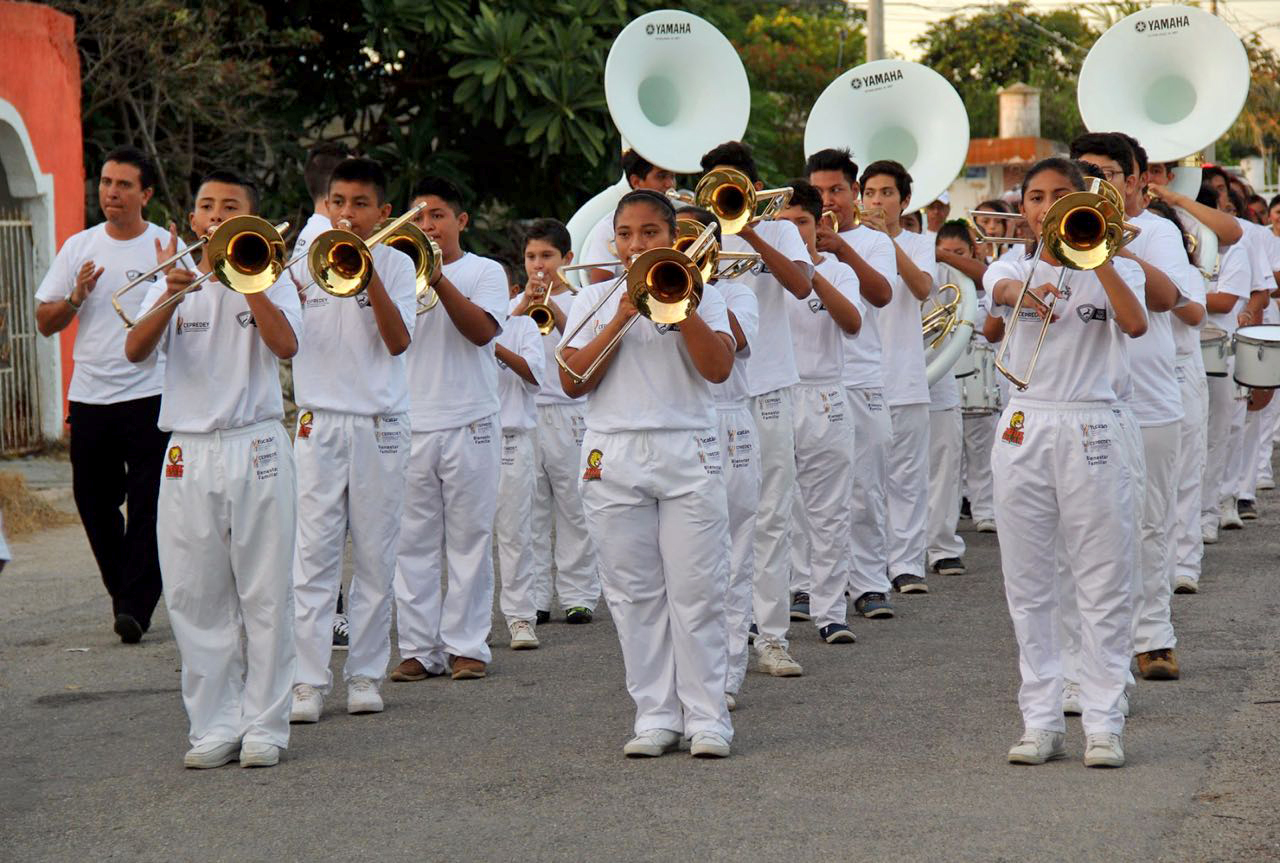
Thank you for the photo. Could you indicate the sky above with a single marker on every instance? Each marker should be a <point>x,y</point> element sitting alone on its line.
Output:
<point>907,19</point>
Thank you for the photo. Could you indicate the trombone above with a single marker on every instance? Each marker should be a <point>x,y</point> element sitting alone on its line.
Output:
<point>246,254</point>
<point>427,261</point>
<point>664,284</point>
<point>688,231</point>
<point>542,313</point>
<point>341,263</point>
<point>1082,231</point>
<point>733,199</point>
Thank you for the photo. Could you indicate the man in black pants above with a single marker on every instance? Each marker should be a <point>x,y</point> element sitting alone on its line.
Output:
<point>116,450</point>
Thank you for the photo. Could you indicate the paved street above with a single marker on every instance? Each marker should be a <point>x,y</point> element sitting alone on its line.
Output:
<point>890,749</point>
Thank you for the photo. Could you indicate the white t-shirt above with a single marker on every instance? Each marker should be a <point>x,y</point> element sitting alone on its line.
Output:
<point>343,364</point>
<point>772,364</point>
<point>520,336</point>
<point>452,381</point>
<point>1263,254</point>
<point>945,394</point>
<point>862,365</point>
<point>1235,277</point>
<point>316,225</point>
<point>740,300</point>
<point>1186,338</point>
<point>819,341</point>
<point>651,383</point>
<point>102,374</point>
<point>550,392</point>
<point>1157,397</point>
<point>598,248</point>
<point>219,374</point>
<point>1075,363</point>
<point>901,344</point>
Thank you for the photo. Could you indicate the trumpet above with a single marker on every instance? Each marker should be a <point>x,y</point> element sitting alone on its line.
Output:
<point>664,284</point>
<point>733,199</point>
<point>341,263</point>
<point>246,253</point>
<point>1082,231</point>
<point>542,313</point>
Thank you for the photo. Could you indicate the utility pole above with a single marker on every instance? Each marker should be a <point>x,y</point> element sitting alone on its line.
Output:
<point>875,30</point>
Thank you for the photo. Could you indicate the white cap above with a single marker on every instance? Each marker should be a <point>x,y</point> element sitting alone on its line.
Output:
<point>944,198</point>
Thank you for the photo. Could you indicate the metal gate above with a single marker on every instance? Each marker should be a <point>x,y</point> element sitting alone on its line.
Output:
<point>19,384</point>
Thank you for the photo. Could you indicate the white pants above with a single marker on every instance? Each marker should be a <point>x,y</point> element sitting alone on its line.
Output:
<point>556,455</point>
<point>868,550</point>
<point>656,507</point>
<point>1235,455</point>
<point>1152,624</point>
<point>350,477</point>
<point>775,430</point>
<point>1058,471</point>
<point>946,441</point>
<point>512,525</point>
<point>1258,427</point>
<point>908,489</point>
<point>1224,411</point>
<point>448,510</point>
<point>979,435</point>
<point>1188,546</point>
<point>741,463</point>
<point>820,521</point>
<point>1268,444</point>
<point>225,533</point>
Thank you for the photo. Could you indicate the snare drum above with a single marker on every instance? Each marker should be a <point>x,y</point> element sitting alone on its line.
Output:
<point>1258,356</point>
<point>1215,347</point>
<point>965,366</point>
<point>980,392</point>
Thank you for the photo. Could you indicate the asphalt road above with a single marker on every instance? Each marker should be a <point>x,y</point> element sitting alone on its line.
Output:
<point>890,749</point>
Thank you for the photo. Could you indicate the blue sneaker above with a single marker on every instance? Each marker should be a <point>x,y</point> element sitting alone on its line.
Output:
<point>752,633</point>
<point>874,606</point>
<point>837,633</point>
<point>800,606</point>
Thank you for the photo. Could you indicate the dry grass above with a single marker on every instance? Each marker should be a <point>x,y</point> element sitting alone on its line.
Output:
<point>26,512</point>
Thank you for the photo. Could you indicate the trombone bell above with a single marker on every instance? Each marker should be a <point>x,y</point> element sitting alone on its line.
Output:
<point>733,198</point>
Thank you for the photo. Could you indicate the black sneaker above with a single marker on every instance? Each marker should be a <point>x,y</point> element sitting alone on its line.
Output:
<point>907,583</point>
<point>577,614</point>
<point>949,566</point>
<point>800,606</point>
<point>542,617</point>
<point>837,633</point>
<point>128,628</point>
<point>752,632</point>
<point>964,508</point>
<point>341,633</point>
<point>1247,509</point>
<point>874,606</point>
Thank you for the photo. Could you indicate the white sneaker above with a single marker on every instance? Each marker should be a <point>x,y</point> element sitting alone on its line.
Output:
<point>259,755</point>
<point>651,744</point>
<point>1038,746</point>
<point>708,744</point>
<point>306,704</point>
<point>1208,533</point>
<point>1266,484</point>
<point>730,701</point>
<point>985,525</point>
<point>209,755</point>
<point>1103,749</point>
<point>774,659</point>
<point>522,635</point>
<point>1071,698</point>
<point>1230,519</point>
<point>363,696</point>
<point>1185,584</point>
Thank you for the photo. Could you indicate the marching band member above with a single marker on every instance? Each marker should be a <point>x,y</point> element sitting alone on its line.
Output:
<point>1058,473</point>
<point>455,459</point>
<point>352,447</point>
<point>824,432</point>
<point>640,174</point>
<point>886,186</point>
<point>558,444</point>
<point>871,255</point>
<point>227,500</point>
<point>771,372</point>
<point>654,494</point>
<point>741,464</point>
<point>116,448</point>
<point>521,364</point>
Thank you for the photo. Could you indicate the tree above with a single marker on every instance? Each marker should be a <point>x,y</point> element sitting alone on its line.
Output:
<point>1257,130</point>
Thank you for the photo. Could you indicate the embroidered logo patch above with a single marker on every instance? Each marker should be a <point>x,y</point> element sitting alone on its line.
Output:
<point>173,470</point>
<point>304,424</point>
<point>1013,434</point>
<point>594,459</point>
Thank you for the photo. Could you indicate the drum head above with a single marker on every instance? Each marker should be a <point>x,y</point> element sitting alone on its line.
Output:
<point>1269,333</point>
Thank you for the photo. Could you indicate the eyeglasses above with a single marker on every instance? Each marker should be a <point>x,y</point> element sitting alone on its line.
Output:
<point>1112,175</point>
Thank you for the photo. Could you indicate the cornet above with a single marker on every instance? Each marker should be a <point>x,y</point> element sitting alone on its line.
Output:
<point>664,284</point>
<point>542,313</point>
<point>246,254</point>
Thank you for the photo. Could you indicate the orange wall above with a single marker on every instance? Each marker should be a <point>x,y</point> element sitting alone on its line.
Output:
<point>40,75</point>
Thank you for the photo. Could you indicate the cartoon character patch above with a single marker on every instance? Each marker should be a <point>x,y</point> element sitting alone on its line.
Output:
<point>594,459</point>
<point>304,424</point>
<point>1013,434</point>
<point>173,470</point>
